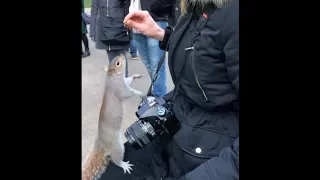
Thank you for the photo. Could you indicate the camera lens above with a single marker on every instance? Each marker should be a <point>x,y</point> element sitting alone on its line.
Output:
<point>139,134</point>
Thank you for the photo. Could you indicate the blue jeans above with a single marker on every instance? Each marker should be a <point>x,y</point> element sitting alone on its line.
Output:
<point>151,53</point>
<point>133,49</point>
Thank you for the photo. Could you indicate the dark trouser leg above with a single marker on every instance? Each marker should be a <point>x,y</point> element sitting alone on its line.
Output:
<point>85,41</point>
<point>86,52</point>
<point>141,169</point>
<point>114,53</point>
<point>81,46</point>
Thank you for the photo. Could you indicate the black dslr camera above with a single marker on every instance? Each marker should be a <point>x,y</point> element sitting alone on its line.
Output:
<point>154,118</point>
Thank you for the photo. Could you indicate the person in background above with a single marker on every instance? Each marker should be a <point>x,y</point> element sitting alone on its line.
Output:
<point>84,37</point>
<point>149,49</point>
<point>175,13</point>
<point>107,29</point>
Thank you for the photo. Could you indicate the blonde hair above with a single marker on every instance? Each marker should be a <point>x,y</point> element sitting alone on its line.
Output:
<point>183,7</point>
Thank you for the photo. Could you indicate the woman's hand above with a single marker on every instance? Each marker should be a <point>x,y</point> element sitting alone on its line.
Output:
<point>143,22</point>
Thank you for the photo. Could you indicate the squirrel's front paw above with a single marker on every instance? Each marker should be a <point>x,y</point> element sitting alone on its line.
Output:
<point>136,76</point>
<point>138,93</point>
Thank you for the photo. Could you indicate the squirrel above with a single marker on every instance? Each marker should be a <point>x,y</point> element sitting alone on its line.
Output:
<point>109,145</point>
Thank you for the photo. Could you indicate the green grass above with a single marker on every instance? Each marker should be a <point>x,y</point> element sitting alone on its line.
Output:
<point>87,3</point>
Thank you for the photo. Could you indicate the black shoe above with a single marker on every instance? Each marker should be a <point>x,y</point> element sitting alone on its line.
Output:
<point>86,54</point>
<point>134,57</point>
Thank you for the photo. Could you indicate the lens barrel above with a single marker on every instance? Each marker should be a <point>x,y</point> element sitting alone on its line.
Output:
<point>139,134</point>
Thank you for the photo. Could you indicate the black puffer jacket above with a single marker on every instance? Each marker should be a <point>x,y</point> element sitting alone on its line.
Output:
<point>171,8</point>
<point>158,10</point>
<point>205,148</point>
<point>175,13</point>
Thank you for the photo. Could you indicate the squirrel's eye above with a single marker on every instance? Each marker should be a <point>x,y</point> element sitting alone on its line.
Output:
<point>118,63</point>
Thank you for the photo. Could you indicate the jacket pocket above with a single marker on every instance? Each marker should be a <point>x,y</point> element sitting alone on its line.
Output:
<point>202,136</point>
<point>113,32</point>
<point>116,12</point>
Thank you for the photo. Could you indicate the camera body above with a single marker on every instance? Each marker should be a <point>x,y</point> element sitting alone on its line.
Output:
<point>154,118</point>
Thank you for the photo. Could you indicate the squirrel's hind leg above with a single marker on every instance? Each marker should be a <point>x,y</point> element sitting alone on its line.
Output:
<point>117,156</point>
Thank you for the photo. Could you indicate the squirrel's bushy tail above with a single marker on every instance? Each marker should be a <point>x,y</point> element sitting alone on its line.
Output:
<point>95,164</point>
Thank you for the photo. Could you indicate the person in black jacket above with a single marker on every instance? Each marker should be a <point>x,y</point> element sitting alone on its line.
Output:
<point>204,64</point>
<point>169,7</point>
<point>106,27</point>
<point>175,13</point>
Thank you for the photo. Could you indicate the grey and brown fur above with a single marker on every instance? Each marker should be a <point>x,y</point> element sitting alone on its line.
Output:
<point>201,4</point>
<point>109,143</point>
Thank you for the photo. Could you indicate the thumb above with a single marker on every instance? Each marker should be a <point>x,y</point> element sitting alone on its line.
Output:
<point>132,24</point>
<point>129,16</point>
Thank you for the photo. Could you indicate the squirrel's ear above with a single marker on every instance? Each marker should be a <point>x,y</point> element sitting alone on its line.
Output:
<point>106,69</point>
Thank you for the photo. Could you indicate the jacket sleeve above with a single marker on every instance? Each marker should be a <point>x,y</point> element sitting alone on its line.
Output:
<point>230,39</point>
<point>161,7</point>
<point>224,167</point>
<point>165,42</point>
<point>93,15</point>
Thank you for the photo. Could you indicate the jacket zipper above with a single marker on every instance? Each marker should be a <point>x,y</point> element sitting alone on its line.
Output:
<point>109,47</point>
<point>195,75</point>
<point>107,8</point>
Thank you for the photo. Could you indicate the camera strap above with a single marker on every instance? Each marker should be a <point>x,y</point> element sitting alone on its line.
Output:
<point>200,25</point>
